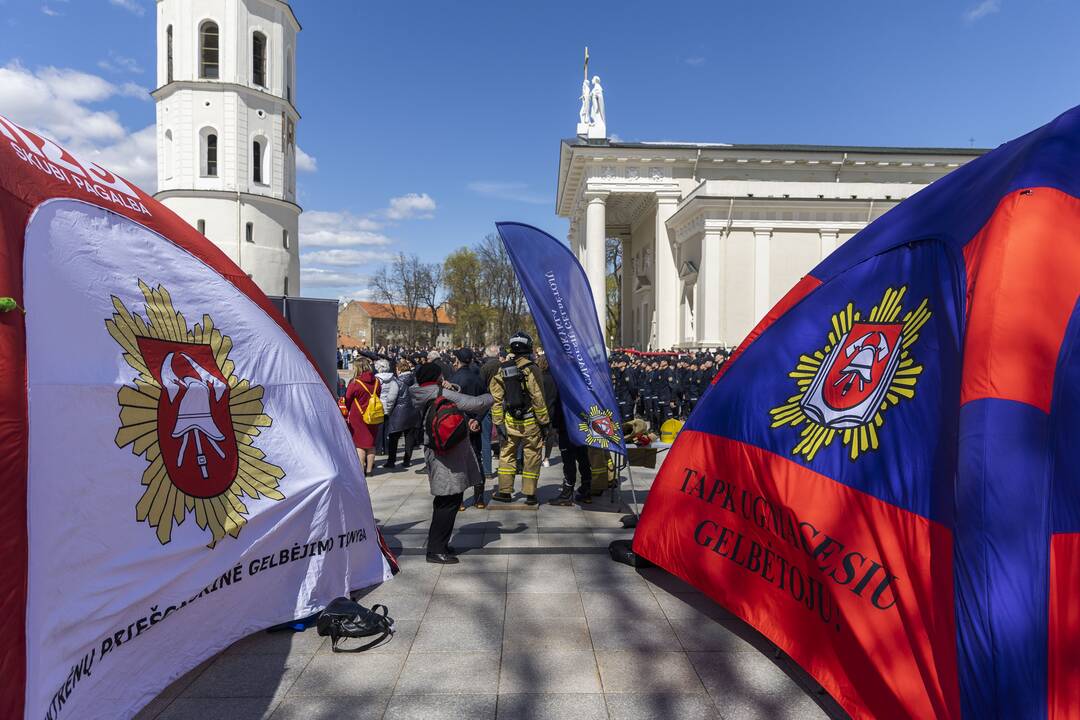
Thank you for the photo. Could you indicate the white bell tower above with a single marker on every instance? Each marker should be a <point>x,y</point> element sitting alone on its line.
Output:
<point>226,130</point>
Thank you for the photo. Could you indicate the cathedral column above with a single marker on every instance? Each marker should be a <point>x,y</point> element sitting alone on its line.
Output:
<point>595,252</point>
<point>572,237</point>
<point>829,237</point>
<point>626,297</point>
<point>710,282</point>
<point>666,281</point>
<point>579,236</point>
<point>762,238</point>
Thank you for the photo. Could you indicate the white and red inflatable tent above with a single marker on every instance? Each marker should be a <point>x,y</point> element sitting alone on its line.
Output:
<point>175,474</point>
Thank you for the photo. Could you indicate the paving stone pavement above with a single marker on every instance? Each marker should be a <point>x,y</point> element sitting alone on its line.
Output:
<point>535,623</point>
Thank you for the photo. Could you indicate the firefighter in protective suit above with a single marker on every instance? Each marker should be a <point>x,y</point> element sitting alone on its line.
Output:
<point>521,418</point>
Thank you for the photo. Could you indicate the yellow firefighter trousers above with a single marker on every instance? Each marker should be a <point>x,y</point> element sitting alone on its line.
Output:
<point>601,472</point>
<point>531,442</point>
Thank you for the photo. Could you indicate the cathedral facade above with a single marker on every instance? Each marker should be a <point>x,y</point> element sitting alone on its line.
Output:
<point>713,235</point>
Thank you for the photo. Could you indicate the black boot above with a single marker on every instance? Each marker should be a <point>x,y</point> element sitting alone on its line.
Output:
<point>565,498</point>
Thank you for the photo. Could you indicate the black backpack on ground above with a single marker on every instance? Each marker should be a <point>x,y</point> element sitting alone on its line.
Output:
<point>517,403</point>
<point>345,618</point>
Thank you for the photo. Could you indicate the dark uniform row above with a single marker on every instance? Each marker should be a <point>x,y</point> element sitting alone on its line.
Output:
<point>657,387</point>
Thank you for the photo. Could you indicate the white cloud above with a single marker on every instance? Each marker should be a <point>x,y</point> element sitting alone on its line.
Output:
<point>134,157</point>
<point>984,8</point>
<point>312,277</point>
<point>338,230</point>
<point>118,63</point>
<point>695,61</point>
<point>305,162</point>
<point>56,102</point>
<point>346,257</point>
<point>513,191</point>
<point>340,251</point>
<point>411,207</point>
<point>133,6</point>
<point>361,294</point>
<point>50,12</point>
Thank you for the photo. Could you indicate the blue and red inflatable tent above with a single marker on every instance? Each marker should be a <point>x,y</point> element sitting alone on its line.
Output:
<point>883,480</point>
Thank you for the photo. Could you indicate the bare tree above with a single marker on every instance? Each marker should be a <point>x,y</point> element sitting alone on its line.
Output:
<point>506,298</point>
<point>398,286</point>
<point>429,285</point>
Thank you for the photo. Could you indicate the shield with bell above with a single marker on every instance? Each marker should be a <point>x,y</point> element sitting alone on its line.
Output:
<point>195,430</point>
<point>848,387</point>
<point>604,427</point>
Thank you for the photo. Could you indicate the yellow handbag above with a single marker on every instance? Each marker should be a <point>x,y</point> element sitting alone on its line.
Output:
<point>374,413</point>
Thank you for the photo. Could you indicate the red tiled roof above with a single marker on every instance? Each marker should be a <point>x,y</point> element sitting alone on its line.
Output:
<point>384,311</point>
<point>348,342</point>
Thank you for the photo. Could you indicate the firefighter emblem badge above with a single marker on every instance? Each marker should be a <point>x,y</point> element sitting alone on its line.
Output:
<point>599,428</point>
<point>192,418</point>
<point>864,368</point>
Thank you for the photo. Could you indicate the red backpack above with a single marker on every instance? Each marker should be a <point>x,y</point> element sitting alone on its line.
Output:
<point>444,424</point>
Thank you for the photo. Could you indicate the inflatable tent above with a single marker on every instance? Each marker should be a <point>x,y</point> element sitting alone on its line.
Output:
<point>882,478</point>
<point>175,473</point>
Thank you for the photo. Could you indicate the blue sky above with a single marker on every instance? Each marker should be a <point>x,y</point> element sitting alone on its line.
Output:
<point>465,102</point>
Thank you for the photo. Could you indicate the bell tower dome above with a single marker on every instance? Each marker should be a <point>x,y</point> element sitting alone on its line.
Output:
<point>226,130</point>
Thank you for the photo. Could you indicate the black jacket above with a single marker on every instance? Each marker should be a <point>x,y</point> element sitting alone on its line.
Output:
<point>551,399</point>
<point>488,370</point>
<point>403,415</point>
<point>468,379</point>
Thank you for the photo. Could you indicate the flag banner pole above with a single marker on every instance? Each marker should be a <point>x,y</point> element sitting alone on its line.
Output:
<point>561,302</point>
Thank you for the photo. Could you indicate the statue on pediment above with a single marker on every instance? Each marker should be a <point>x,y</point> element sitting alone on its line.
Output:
<point>596,104</point>
<point>592,117</point>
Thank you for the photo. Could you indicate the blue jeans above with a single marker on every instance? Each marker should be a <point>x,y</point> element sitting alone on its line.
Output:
<point>485,444</point>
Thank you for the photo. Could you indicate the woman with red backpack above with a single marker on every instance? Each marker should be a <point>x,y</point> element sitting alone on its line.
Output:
<point>451,463</point>
<point>358,397</point>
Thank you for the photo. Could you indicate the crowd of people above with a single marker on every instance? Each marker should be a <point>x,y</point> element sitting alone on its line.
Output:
<point>466,407</point>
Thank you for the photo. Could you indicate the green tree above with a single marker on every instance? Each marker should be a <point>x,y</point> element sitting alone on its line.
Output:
<point>466,297</point>
<point>614,251</point>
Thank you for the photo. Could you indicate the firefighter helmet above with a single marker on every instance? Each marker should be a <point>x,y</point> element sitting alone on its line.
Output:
<point>521,344</point>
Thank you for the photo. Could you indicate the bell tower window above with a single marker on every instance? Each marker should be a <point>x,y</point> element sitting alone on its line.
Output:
<point>288,75</point>
<point>257,161</point>
<point>168,54</point>
<point>209,51</point>
<point>210,153</point>
<point>258,59</point>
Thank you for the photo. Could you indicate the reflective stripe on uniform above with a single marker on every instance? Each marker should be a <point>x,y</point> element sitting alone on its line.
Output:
<point>507,471</point>
<point>530,475</point>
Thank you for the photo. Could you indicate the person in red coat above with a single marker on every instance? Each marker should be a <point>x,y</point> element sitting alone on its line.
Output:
<point>363,385</point>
